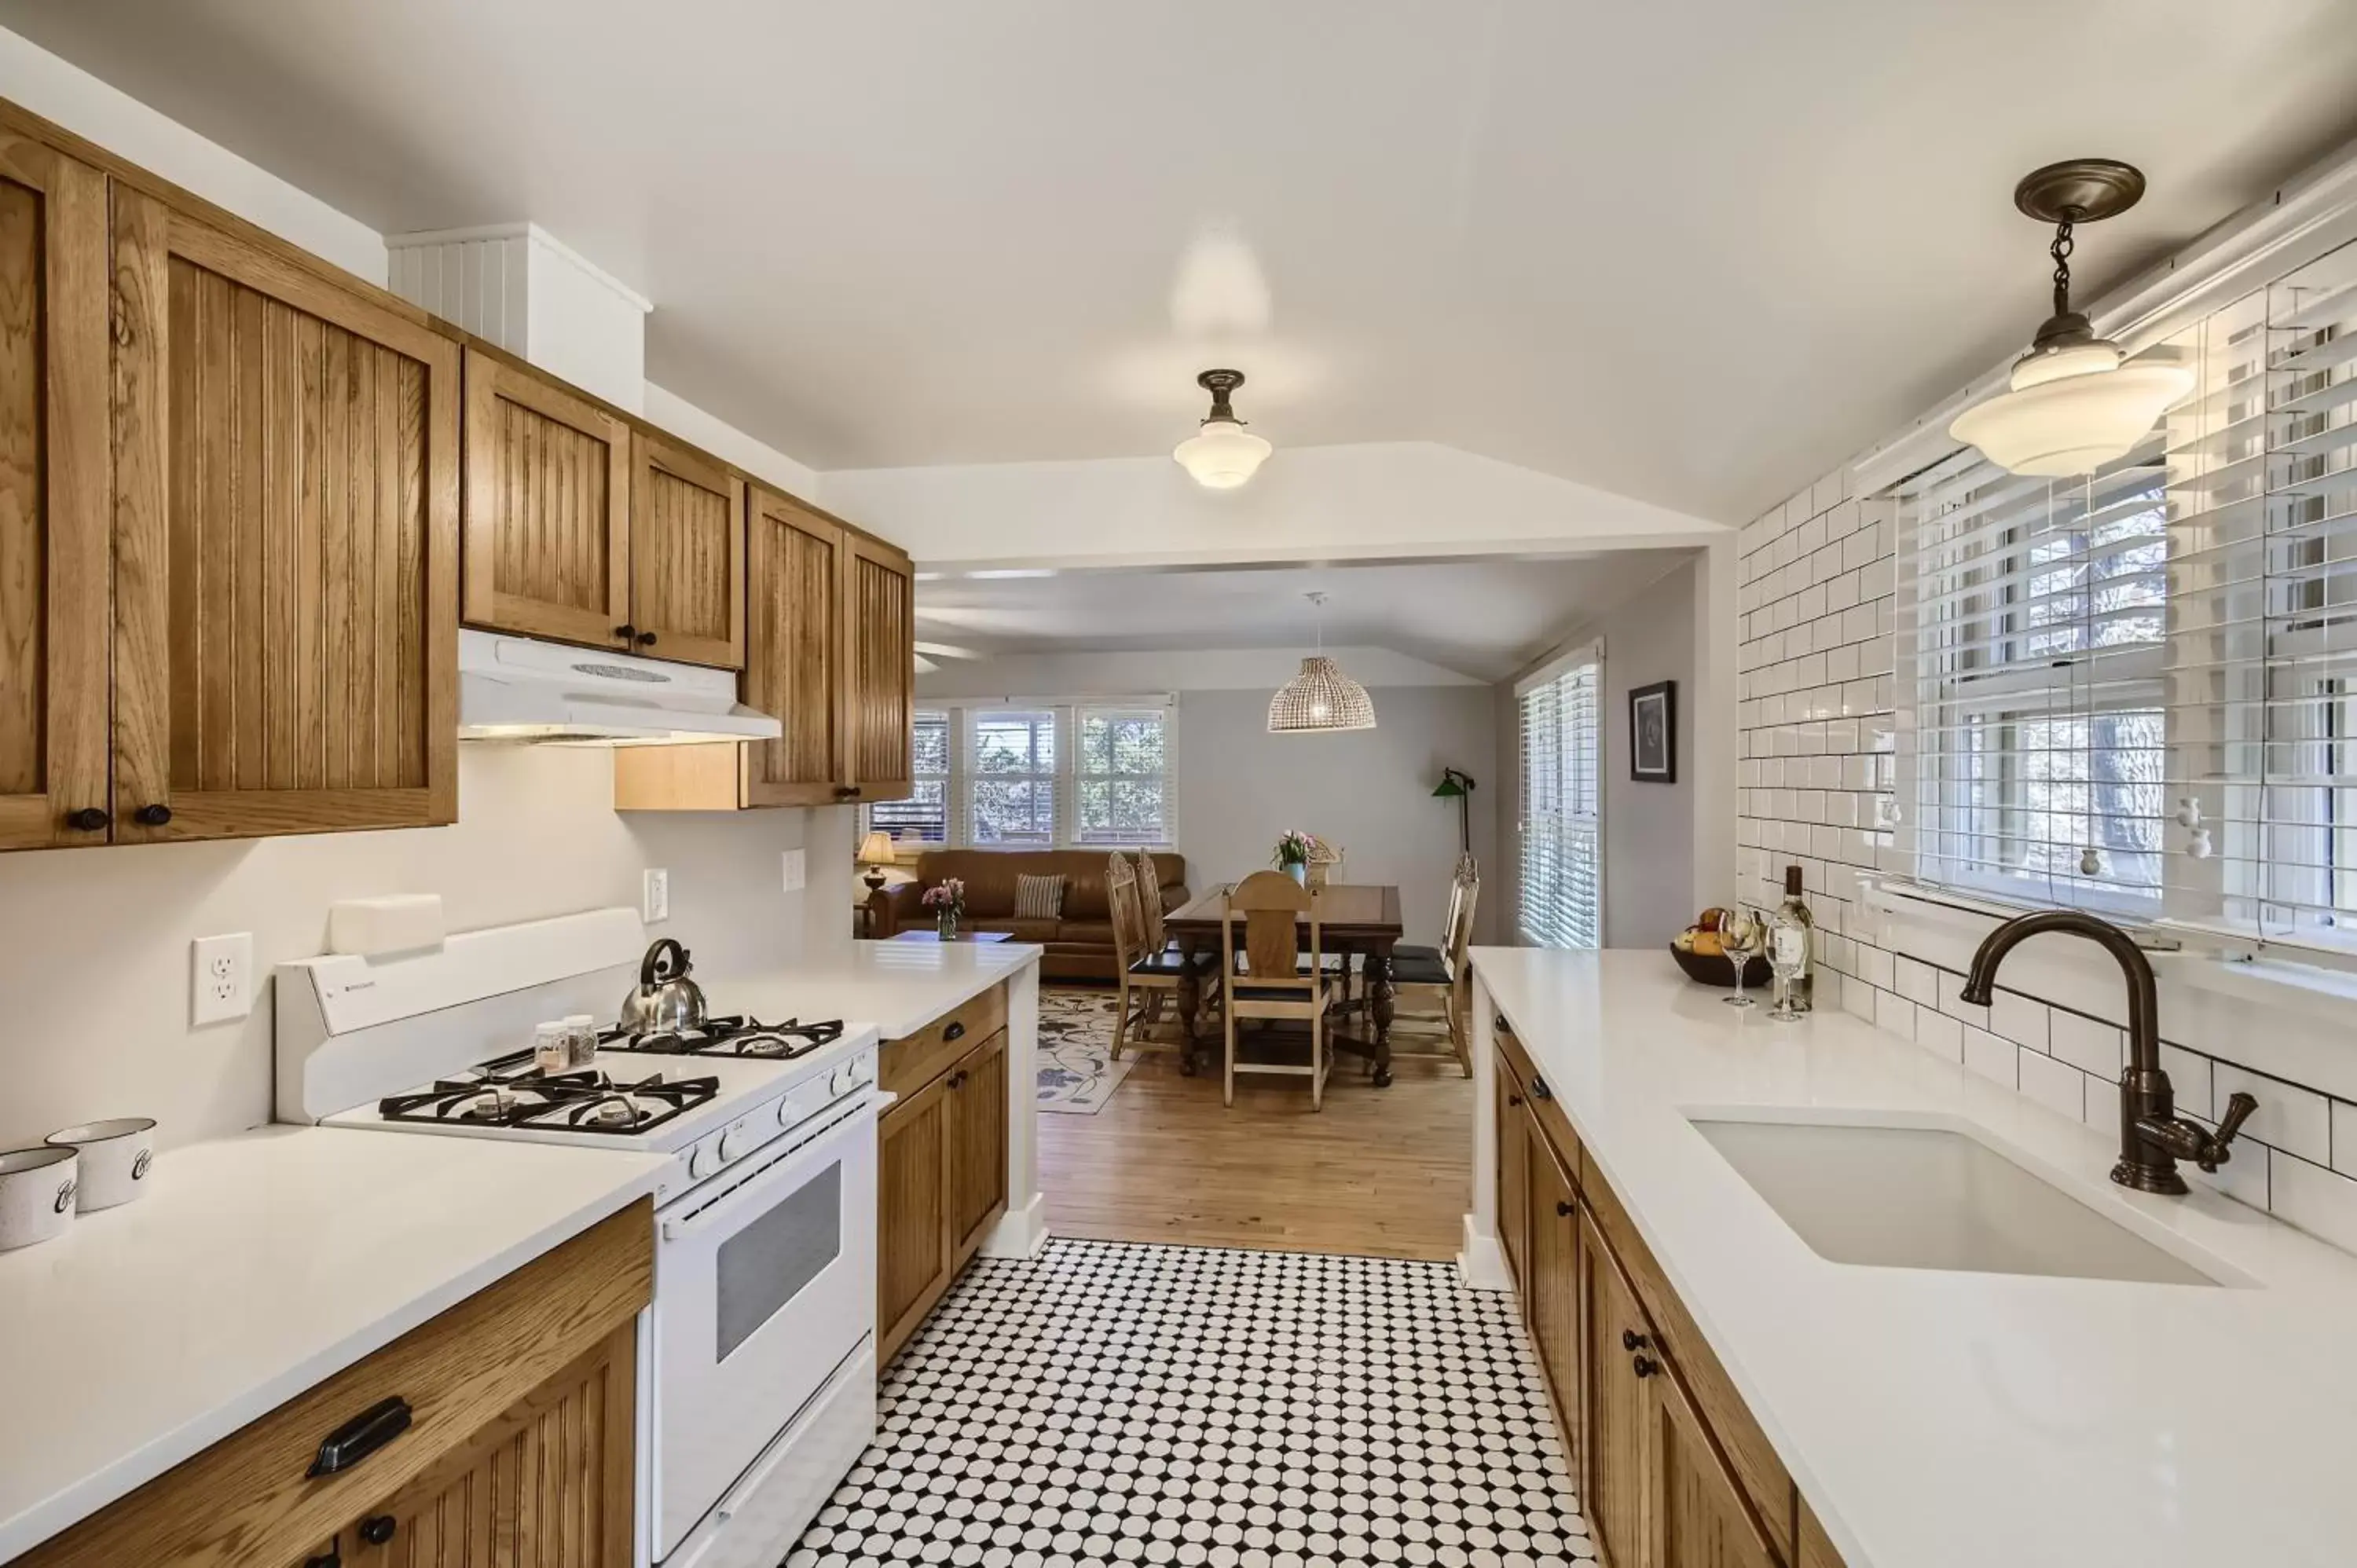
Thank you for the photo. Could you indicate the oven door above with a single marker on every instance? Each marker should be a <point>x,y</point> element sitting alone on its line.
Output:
<point>765,1282</point>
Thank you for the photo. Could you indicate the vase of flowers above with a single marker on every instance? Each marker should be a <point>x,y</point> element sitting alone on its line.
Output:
<point>947,901</point>
<point>1294,850</point>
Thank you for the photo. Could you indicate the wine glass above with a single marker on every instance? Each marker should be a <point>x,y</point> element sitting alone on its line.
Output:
<point>1740,937</point>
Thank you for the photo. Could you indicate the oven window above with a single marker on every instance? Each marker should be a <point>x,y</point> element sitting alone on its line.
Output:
<point>765,1265</point>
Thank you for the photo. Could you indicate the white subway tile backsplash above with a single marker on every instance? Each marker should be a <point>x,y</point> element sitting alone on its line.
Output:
<point>2091,1046</point>
<point>1952,1002</point>
<point>1857,999</point>
<point>2019,1019</point>
<point>2345,1137</point>
<point>2299,1121</point>
<point>1876,967</point>
<point>2245,1177</point>
<point>1918,981</point>
<point>2188,1077</point>
<point>1894,1014</point>
<point>2318,1200</point>
<point>1938,1033</point>
<point>2055,1085</point>
<point>1992,1058</point>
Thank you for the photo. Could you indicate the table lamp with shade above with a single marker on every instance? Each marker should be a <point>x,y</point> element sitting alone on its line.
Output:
<point>876,852</point>
<point>1457,785</point>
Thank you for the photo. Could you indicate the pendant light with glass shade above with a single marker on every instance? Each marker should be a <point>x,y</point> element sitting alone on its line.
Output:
<point>1321,700</point>
<point>2071,404</point>
<point>1222,454</point>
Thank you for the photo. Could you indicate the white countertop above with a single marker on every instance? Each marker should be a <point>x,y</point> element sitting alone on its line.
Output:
<point>258,1266</point>
<point>1948,1419</point>
<point>899,987</point>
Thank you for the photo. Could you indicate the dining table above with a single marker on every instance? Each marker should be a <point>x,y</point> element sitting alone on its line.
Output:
<point>1353,918</point>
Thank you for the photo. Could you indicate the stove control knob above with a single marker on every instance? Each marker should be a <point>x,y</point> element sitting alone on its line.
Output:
<point>843,1080</point>
<point>790,1110</point>
<point>734,1142</point>
<point>701,1162</point>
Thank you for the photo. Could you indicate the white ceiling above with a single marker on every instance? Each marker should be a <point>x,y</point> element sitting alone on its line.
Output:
<point>1484,619</point>
<point>1692,251</point>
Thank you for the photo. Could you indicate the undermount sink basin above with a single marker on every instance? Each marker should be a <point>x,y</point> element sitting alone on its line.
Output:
<point>1930,1198</point>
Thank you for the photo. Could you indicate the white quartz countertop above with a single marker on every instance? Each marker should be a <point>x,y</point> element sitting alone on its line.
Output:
<point>1951,1420</point>
<point>899,987</point>
<point>256,1267</point>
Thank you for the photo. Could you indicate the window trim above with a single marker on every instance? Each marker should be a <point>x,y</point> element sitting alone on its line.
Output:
<point>958,806</point>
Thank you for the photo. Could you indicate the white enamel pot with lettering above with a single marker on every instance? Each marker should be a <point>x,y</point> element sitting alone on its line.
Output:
<point>115,1158</point>
<point>36,1194</point>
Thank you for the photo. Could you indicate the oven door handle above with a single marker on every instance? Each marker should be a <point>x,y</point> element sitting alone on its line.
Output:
<point>786,1174</point>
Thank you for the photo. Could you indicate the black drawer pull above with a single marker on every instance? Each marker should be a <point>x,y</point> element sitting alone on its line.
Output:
<point>378,1529</point>
<point>88,820</point>
<point>361,1437</point>
<point>1645,1366</point>
<point>1562,1208</point>
<point>152,816</point>
<point>1539,1090</point>
<point>1513,1100</point>
<point>1632,1340</point>
<point>955,1032</point>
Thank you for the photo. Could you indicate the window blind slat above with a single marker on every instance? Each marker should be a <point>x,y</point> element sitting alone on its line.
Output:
<point>1561,877</point>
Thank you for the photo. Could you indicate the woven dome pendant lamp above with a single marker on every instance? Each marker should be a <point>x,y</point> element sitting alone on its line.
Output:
<point>1321,700</point>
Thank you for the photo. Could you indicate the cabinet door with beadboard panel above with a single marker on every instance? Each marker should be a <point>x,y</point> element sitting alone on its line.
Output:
<point>286,544</point>
<point>54,630</point>
<point>687,556</point>
<point>1612,1418</point>
<point>1695,1515</point>
<point>912,1231</point>
<point>978,1157</point>
<point>794,652</point>
<point>1551,1286</point>
<point>879,616</point>
<point>547,509</point>
<point>547,1485</point>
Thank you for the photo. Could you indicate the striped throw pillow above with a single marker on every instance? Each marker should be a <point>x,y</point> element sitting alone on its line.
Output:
<point>1039,897</point>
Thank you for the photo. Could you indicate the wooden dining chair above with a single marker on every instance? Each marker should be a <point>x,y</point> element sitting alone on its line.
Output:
<point>1146,970</point>
<point>1267,978</point>
<point>1435,982</point>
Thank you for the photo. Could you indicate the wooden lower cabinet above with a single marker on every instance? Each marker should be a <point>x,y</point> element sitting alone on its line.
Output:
<point>1695,1515</point>
<point>518,1451</point>
<point>942,1168</point>
<point>1672,1471</point>
<point>1513,1160</point>
<point>547,1485</point>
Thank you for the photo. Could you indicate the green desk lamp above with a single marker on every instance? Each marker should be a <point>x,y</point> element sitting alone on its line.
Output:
<point>1458,786</point>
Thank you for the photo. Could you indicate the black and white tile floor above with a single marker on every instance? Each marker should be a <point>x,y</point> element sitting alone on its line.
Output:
<point>1109,1402</point>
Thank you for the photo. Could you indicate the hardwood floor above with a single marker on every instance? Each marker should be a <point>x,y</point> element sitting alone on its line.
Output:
<point>1380,1172</point>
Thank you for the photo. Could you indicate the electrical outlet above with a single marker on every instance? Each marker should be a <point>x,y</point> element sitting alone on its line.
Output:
<point>792,869</point>
<point>220,978</point>
<point>654,895</point>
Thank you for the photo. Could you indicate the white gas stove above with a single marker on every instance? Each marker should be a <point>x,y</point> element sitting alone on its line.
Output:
<point>756,1360</point>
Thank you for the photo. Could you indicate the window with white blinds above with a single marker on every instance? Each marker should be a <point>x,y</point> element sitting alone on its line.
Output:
<point>1120,776</point>
<point>1562,886</point>
<point>1011,777</point>
<point>924,816</point>
<point>2137,692</point>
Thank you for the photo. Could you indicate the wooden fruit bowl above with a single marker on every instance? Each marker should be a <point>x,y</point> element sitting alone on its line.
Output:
<point>1717,969</point>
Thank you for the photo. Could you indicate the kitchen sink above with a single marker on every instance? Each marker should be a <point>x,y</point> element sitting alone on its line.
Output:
<point>1930,1197</point>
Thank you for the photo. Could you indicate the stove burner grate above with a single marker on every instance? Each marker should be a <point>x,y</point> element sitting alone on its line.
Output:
<point>734,1034</point>
<point>511,1092</point>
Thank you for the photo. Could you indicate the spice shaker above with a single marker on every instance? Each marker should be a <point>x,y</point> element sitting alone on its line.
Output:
<point>583,1029</point>
<point>551,1048</point>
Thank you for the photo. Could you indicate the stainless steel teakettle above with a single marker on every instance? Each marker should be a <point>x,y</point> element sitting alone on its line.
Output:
<point>666,998</point>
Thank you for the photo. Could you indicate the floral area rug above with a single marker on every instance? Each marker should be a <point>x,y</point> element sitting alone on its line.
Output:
<point>1077,1072</point>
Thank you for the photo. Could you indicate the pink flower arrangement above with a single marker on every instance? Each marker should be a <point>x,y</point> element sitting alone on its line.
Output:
<point>1295,847</point>
<point>948,895</point>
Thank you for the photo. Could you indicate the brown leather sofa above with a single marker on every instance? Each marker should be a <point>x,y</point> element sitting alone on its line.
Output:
<point>1079,943</point>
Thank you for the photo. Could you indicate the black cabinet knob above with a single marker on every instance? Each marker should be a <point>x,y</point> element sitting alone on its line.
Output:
<point>846,792</point>
<point>377,1529</point>
<point>153,815</point>
<point>1644,1366</point>
<point>956,1031</point>
<point>646,639</point>
<point>626,631</point>
<point>1632,1340</point>
<point>1562,1208</point>
<point>1513,1100</point>
<point>89,820</point>
<point>1539,1090</point>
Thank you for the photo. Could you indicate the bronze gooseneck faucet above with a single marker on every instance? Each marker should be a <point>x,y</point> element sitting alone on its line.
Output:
<point>2152,1137</point>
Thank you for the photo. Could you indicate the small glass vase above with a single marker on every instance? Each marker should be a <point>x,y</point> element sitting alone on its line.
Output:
<point>945,925</point>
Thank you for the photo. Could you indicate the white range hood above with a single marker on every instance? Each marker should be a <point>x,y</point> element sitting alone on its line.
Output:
<point>520,689</point>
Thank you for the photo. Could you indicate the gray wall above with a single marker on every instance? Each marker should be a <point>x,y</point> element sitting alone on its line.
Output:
<point>1649,829</point>
<point>1238,787</point>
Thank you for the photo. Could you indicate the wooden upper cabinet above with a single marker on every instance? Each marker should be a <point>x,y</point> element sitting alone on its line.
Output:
<point>286,543</point>
<point>548,509</point>
<point>879,614</point>
<point>54,618</point>
<point>794,652</point>
<point>687,556</point>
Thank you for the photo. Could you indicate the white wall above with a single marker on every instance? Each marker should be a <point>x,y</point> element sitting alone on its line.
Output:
<point>1650,829</point>
<point>1135,674</point>
<point>94,943</point>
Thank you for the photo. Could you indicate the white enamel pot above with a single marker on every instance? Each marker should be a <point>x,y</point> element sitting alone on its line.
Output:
<point>115,1158</point>
<point>36,1195</point>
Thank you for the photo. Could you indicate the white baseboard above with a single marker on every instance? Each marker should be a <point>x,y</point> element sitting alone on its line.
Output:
<point>1020,1232</point>
<point>1483,1262</point>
